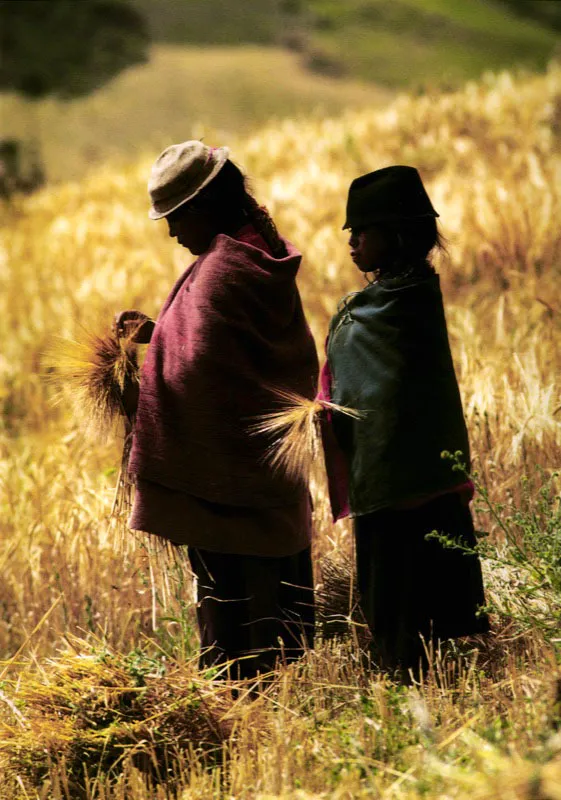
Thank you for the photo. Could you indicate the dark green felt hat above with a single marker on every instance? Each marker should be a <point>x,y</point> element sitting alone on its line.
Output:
<point>388,194</point>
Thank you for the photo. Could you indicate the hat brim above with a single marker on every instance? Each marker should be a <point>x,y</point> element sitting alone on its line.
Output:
<point>164,208</point>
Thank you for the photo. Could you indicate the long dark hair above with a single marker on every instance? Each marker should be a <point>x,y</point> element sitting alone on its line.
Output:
<point>229,202</point>
<point>410,242</point>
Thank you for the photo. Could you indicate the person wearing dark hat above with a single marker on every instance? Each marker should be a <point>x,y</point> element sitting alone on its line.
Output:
<point>388,356</point>
<point>231,331</point>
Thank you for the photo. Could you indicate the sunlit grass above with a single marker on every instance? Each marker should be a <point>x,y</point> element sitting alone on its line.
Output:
<point>483,723</point>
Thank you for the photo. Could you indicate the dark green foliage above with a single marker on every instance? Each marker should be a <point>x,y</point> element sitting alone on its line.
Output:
<point>548,12</point>
<point>21,169</point>
<point>67,48</point>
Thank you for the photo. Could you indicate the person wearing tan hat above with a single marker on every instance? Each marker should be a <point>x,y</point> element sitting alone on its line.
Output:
<point>231,332</point>
<point>388,356</point>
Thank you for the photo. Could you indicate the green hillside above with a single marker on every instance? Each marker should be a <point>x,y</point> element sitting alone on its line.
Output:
<point>211,21</point>
<point>400,43</point>
<point>423,43</point>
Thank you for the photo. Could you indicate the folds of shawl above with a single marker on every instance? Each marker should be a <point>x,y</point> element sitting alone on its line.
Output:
<point>231,331</point>
<point>389,357</point>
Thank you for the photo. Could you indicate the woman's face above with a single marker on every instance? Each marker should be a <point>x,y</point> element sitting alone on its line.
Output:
<point>369,248</point>
<point>192,229</point>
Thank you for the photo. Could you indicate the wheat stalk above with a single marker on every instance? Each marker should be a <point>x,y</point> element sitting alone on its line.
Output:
<point>95,370</point>
<point>294,431</point>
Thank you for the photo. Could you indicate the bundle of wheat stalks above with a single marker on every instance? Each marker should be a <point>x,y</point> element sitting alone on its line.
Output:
<point>100,373</point>
<point>96,371</point>
<point>295,432</point>
<point>91,709</point>
<point>338,613</point>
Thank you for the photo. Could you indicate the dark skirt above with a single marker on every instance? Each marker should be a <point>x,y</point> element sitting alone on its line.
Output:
<point>410,585</point>
<point>253,609</point>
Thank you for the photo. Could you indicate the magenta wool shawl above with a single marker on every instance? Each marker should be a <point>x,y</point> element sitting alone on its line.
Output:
<point>230,332</point>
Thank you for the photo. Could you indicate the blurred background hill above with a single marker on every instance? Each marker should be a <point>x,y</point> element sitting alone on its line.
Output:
<point>218,68</point>
<point>404,43</point>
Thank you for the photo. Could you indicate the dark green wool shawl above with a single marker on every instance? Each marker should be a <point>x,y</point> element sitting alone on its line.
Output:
<point>389,357</point>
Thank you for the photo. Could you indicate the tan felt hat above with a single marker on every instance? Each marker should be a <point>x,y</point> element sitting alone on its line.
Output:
<point>180,172</point>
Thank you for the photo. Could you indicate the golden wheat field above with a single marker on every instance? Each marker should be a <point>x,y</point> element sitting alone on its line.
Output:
<point>100,696</point>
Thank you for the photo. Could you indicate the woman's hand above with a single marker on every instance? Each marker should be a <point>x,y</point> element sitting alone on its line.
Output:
<point>134,325</point>
<point>129,397</point>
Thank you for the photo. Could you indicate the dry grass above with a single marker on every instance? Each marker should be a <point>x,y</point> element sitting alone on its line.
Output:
<point>324,728</point>
<point>483,724</point>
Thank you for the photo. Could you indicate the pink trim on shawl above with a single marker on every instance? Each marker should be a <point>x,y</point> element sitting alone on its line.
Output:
<point>466,490</point>
<point>335,461</point>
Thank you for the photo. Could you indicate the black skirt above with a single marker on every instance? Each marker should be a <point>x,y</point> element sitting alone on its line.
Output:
<point>412,587</point>
<point>253,610</point>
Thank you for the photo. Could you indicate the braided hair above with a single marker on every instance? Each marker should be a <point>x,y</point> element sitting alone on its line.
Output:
<point>265,226</point>
<point>228,201</point>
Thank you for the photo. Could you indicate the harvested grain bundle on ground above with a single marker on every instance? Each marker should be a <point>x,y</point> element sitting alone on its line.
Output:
<point>92,709</point>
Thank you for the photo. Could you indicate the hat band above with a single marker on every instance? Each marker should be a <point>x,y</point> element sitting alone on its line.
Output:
<point>357,221</point>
